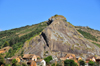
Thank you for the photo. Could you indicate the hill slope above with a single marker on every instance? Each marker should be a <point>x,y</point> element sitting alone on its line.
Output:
<point>59,38</point>
<point>90,34</point>
<point>53,37</point>
<point>17,37</point>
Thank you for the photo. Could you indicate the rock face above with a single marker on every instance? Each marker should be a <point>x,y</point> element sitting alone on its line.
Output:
<point>60,37</point>
<point>35,46</point>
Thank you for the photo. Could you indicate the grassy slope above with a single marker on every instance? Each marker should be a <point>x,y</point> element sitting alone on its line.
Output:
<point>16,37</point>
<point>90,34</point>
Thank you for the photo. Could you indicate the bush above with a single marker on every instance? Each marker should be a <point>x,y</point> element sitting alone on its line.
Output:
<point>1,60</point>
<point>91,63</point>
<point>70,63</point>
<point>82,63</point>
<point>7,65</point>
<point>23,64</point>
<point>14,61</point>
<point>56,65</point>
<point>48,59</point>
<point>6,44</point>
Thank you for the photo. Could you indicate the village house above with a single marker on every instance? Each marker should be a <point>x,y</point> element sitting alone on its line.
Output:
<point>31,63</point>
<point>39,62</point>
<point>28,57</point>
<point>98,59</point>
<point>91,58</point>
<point>68,56</point>
<point>34,60</point>
<point>18,58</point>
<point>78,58</point>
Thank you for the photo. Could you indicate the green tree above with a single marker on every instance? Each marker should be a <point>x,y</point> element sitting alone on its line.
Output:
<point>7,65</point>
<point>1,60</point>
<point>70,63</point>
<point>91,63</point>
<point>56,65</point>
<point>14,61</point>
<point>48,59</point>
<point>22,53</point>
<point>82,63</point>
<point>6,44</point>
<point>23,64</point>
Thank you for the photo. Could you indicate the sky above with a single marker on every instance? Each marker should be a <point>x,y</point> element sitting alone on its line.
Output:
<point>19,13</point>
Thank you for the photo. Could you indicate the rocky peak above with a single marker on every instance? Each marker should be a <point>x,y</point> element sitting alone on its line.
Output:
<point>56,17</point>
<point>61,37</point>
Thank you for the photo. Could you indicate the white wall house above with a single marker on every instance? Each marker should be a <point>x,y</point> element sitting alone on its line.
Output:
<point>43,62</point>
<point>34,58</point>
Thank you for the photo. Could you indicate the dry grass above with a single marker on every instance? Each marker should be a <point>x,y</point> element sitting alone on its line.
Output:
<point>58,16</point>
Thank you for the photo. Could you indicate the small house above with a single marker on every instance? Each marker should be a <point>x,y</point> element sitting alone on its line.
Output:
<point>39,62</point>
<point>78,58</point>
<point>98,59</point>
<point>18,58</point>
<point>69,56</point>
<point>31,63</point>
<point>91,58</point>
<point>28,57</point>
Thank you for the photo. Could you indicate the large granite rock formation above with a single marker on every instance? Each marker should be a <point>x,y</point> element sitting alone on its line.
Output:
<point>58,38</point>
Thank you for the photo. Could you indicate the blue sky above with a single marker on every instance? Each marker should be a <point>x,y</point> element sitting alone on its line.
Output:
<point>18,13</point>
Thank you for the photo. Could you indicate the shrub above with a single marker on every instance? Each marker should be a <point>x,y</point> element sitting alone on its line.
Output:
<point>6,44</point>
<point>70,63</point>
<point>91,63</point>
<point>1,60</point>
<point>81,62</point>
<point>23,64</point>
<point>56,65</point>
<point>14,61</point>
<point>48,59</point>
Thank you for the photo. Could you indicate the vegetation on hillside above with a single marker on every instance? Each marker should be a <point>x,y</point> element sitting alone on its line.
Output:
<point>11,37</point>
<point>96,44</point>
<point>87,35</point>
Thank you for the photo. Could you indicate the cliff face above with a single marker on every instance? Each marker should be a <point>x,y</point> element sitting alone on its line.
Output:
<point>59,38</point>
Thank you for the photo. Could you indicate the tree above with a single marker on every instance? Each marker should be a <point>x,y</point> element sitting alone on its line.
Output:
<point>14,61</point>
<point>56,65</point>
<point>48,59</point>
<point>70,63</point>
<point>7,65</point>
<point>91,63</point>
<point>23,64</point>
<point>6,44</point>
<point>1,60</point>
<point>81,62</point>
<point>22,53</point>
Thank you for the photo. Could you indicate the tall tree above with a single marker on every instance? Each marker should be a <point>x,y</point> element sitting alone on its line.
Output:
<point>1,60</point>
<point>82,63</point>
<point>14,61</point>
<point>6,44</point>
